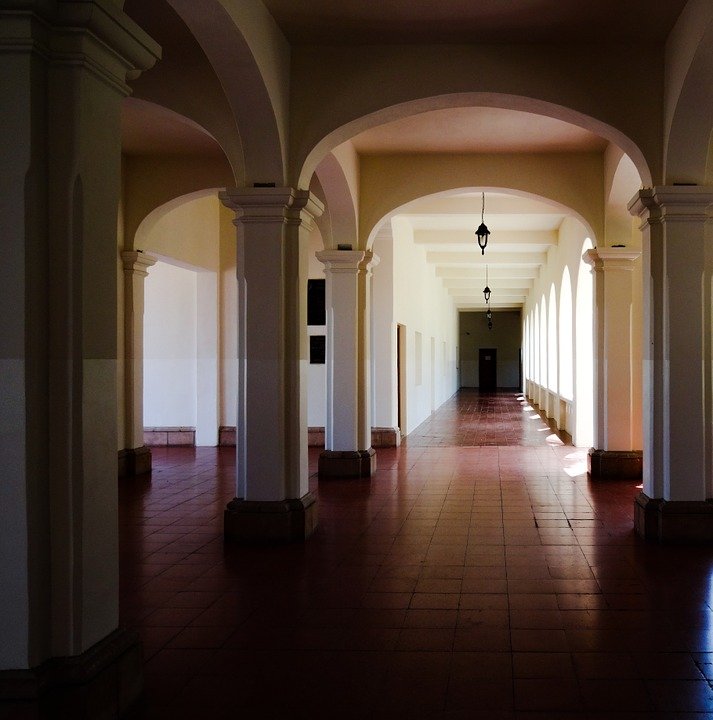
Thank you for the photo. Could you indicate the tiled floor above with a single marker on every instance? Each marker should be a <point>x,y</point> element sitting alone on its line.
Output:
<point>491,581</point>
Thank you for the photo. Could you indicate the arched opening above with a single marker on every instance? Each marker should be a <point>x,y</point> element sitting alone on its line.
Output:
<point>544,353</point>
<point>584,343</point>
<point>566,349</point>
<point>552,349</point>
<point>190,334</point>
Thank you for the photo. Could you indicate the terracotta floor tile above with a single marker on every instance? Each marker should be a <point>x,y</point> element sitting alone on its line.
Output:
<point>472,577</point>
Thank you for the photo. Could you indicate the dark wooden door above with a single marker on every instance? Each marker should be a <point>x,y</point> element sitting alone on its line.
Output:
<point>487,369</point>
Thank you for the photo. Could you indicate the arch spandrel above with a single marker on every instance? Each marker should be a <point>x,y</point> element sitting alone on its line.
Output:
<point>569,182</point>
<point>340,212</point>
<point>251,59</point>
<point>689,97</point>
<point>356,102</point>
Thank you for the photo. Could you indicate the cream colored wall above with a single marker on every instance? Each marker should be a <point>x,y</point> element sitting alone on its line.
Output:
<point>423,306</point>
<point>188,233</point>
<point>360,87</point>
<point>574,181</point>
<point>505,336</point>
<point>155,184</point>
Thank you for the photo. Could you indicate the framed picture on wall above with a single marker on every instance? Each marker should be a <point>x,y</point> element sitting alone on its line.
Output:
<point>317,349</point>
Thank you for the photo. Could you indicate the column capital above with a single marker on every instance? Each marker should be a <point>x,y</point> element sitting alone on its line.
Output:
<point>95,34</point>
<point>672,202</point>
<point>347,260</point>
<point>272,205</point>
<point>611,258</point>
<point>137,262</point>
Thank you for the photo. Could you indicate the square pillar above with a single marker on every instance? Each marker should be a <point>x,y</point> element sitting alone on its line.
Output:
<point>63,76</point>
<point>272,500</point>
<point>675,505</point>
<point>613,455</point>
<point>135,458</point>
<point>347,444</point>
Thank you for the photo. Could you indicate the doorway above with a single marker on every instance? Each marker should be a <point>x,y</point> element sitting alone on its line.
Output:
<point>401,376</point>
<point>487,369</point>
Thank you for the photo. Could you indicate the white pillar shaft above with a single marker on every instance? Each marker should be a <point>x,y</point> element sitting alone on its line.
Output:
<point>136,265</point>
<point>614,411</point>
<point>271,436</point>
<point>348,278</point>
<point>677,341</point>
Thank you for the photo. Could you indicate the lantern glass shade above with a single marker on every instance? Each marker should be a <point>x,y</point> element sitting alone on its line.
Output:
<point>486,294</point>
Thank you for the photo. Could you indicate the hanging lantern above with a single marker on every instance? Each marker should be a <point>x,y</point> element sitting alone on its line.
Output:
<point>486,289</point>
<point>482,232</point>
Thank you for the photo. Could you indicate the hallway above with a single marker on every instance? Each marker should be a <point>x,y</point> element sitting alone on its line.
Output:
<point>479,573</point>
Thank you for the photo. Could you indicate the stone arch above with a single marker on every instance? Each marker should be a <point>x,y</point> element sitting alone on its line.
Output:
<point>251,59</point>
<point>158,184</point>
<point>339,211</point>
<point>622,185</point>
<point>341,134</point>
<point>374,229</point>
<point>689,101</point>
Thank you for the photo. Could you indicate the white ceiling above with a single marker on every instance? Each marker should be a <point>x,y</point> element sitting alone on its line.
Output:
<point>522,232</point>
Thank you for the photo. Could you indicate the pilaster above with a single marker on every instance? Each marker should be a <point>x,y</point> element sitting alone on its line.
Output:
<point>273,226</point>
<point>136,456</point>
<point>678,270</point>
<point>614,455</point>
<point>348,451</point>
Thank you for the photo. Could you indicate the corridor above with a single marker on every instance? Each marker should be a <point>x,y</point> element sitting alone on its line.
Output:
<point>477,574</point>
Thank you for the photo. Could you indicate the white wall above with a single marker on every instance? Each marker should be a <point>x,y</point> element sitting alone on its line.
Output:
<point>170,356</point>
<point>190,358</point>
<point>421,305</point>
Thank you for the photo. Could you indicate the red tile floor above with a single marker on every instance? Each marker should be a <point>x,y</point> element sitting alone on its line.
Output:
<point>478,574</point>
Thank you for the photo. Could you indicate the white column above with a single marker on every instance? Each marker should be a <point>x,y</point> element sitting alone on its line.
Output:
<point>273,226</point>
<point>63,77</point>
<point>348,450</point>
<point>678,268</point>
<point>613,454</point>
<point>136,265</point>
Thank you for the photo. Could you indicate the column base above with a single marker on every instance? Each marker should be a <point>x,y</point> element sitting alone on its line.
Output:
<point>673,522</point>
<point>385,437</point>
<point>347,463</point>
<point>134,461</point>
<point>104,681</point>
<point>615,464</point>
<point>270,521</point>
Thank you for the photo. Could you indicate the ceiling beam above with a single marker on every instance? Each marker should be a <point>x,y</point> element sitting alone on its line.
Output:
<point>492,259</point>
<point>502,237</point>
<point>472,273</point>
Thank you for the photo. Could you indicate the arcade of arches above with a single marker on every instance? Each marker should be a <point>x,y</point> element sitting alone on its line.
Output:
<point>356,146</point>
